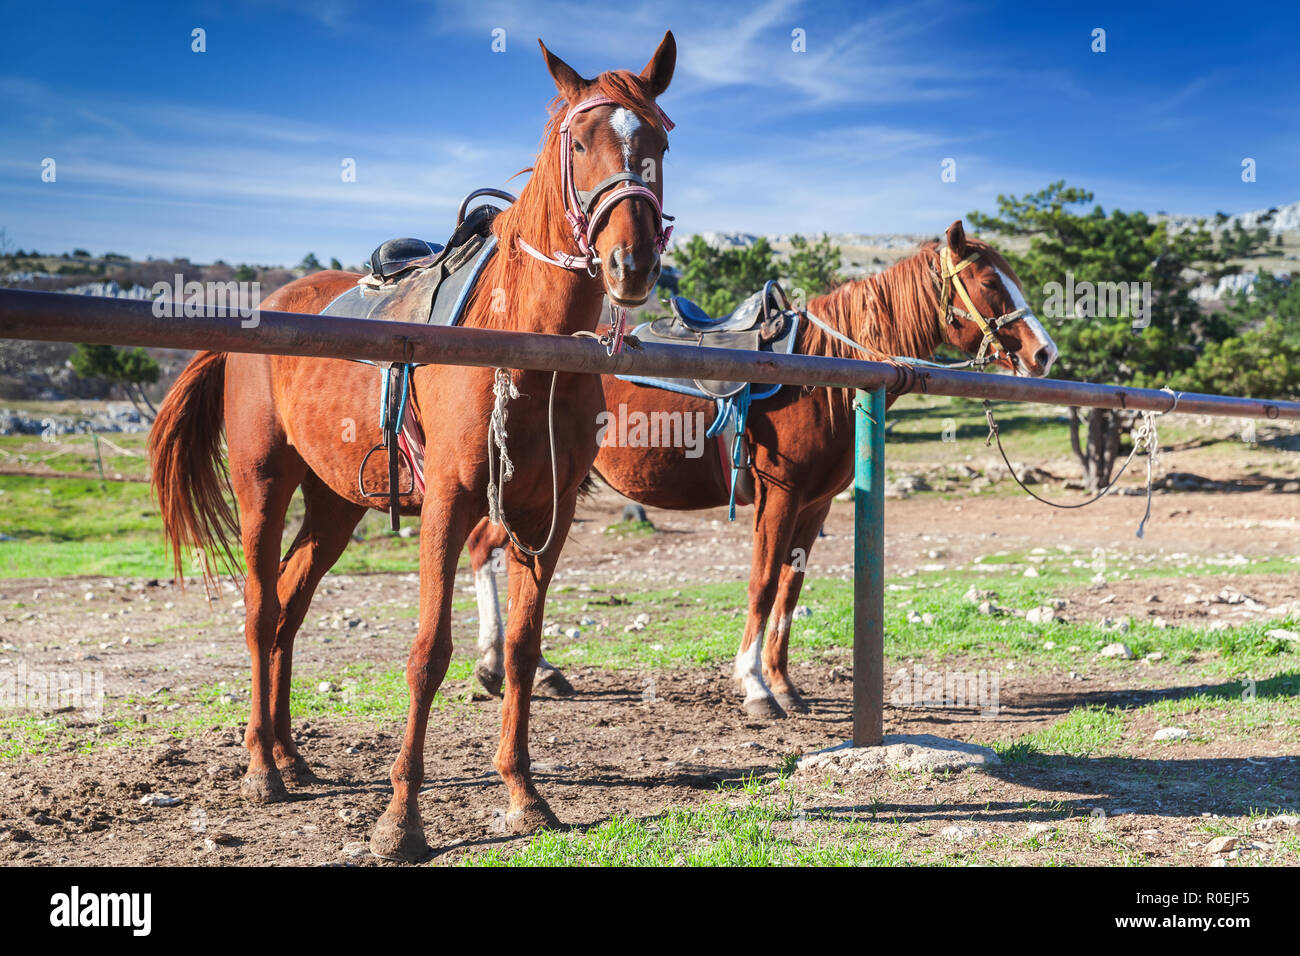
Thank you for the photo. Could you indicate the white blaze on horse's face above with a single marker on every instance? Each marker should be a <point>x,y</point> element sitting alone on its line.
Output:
<point>1037,351</point>
<point>625,123</point>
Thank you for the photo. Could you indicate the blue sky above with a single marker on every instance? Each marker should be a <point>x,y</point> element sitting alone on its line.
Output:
<point>235,153</point>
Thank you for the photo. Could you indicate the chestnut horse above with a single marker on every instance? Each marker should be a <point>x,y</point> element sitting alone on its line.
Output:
<point>802,440</point>
<point>288,421</point>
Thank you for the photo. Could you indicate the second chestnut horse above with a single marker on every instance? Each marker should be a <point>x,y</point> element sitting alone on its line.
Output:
<point>961,292</point>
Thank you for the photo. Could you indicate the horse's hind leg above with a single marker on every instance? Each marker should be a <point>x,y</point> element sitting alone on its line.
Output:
<point>776,655</point>
<point>486,551</point>
<point>327,527</point>
<point>264,483</point>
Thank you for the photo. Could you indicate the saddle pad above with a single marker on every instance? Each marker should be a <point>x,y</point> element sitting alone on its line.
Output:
<point>427,296</point>
<point>783,344</point>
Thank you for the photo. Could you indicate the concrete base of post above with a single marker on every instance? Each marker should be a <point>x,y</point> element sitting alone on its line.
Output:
<point>917,753</point>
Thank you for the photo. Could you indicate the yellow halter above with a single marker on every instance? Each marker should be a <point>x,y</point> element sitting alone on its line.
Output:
<point>950,279</point>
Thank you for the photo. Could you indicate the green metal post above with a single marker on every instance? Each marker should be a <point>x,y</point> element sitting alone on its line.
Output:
<point>869,568</point>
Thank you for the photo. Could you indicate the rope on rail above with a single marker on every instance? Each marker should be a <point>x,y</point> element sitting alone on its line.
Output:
<point>504,389</point>
<point>1145,436</point>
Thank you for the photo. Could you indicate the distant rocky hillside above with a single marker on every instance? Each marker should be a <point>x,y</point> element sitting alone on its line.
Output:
<point>1279,219</point>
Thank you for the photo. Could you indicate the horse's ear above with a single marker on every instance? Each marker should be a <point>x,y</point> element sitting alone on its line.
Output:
<point>567,80</point>
<point>658,73</point>
<point>957,239</point>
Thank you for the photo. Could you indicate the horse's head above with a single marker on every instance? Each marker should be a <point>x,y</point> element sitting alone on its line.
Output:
<point>613,139</point>
<point>983,308</point>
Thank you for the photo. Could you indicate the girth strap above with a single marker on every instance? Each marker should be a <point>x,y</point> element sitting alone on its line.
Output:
<point>394,394</point>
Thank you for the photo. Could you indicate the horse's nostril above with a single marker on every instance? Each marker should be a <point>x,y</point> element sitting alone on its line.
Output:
<point>1042,357</point>
<point>616,263</point>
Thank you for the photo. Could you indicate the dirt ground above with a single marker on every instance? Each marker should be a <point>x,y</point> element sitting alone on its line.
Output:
<point>617,748</point>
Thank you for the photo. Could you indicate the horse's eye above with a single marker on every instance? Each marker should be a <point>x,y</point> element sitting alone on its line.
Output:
<point>578,147</point>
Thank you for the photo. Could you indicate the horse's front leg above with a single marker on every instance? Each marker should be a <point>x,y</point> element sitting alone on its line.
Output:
<point>399,835</point>
<point>529,579</point>
<point>774,521</point>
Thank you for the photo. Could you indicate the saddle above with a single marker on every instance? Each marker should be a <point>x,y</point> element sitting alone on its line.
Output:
<point>766,321</point>
<point>412,280</point>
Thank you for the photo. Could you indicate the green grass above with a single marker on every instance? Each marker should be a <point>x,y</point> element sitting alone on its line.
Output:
<point>630,529</point>
<point>1083,732</point>
<point>76,453</point>
<point>751,825</point>
<point>72,526</point>
<point>703,624</point>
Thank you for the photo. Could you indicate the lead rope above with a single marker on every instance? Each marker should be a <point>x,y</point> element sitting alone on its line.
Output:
<point>502,469</point>
<point>504,389</point>
<point>1145,435</point>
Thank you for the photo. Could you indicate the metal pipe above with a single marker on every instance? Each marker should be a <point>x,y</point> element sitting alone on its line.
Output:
<point>57,317</point>
<point>869,568</point>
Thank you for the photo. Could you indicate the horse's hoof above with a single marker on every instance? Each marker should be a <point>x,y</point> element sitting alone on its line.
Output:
<point>765,708</point>
<point>791,701</point>
<point>551,683</point>
<point>265,787</point>
<point>400,840</point>
<point>490,679</point>
<point>530,819</point>
<point>297,772</point>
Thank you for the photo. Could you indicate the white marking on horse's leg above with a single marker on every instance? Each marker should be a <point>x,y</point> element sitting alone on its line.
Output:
<point>782,630</point>
<point>625,124</point>
<point>1036,330</point>
<point>491,629</point>
<point>748,671</point>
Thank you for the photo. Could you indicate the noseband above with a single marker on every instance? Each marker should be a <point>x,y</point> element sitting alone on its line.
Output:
<point>583,219</point>
<point>949,278</point>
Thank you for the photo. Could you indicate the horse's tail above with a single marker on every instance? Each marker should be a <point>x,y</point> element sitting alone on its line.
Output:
<point>189,475</point>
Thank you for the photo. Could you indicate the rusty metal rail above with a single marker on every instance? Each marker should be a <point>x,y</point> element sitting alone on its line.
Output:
<point>57,317</point>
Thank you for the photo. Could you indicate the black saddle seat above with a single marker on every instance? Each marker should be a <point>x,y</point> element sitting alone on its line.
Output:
<point>754,311</point>
<point>397,255</point>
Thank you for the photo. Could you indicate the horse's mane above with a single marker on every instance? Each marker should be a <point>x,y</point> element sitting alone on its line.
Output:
<point>537,216</point>
<point>892,313</point>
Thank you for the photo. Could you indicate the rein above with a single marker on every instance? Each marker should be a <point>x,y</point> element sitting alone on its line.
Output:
<point>1145,435</point>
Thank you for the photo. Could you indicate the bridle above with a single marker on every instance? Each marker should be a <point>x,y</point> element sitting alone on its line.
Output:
<point>949,278</point>
<point>585,223</point>
<point>583,219</point>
